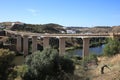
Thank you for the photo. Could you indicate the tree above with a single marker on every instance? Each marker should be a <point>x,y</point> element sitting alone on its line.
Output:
<point>6,58</point>
<point>48,65</point>
<point>112,47</point>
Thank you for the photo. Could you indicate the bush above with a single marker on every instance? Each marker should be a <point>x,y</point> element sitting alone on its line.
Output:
<point>6,58</point>
<point>90,58</point>
<point>48,65</point>
<point>18,72</point>
<point>112,47</point>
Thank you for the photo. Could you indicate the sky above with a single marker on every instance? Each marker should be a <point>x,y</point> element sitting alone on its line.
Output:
<point>85,13</point>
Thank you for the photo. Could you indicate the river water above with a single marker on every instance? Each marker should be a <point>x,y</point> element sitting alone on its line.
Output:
<point>96,50</point>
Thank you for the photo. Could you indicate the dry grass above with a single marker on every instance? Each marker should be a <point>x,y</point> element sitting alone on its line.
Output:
<point>109,74</point>
<point>95,73</point>
<point>115,59</point>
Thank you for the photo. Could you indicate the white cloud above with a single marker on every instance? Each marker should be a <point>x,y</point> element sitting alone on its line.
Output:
<point>33,12</point>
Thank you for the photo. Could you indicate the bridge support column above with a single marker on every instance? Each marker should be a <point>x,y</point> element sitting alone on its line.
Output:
<point>85,47</point>
<point>112,35</point>
<point>19,45</point>
<point>6,33</point>
<point>25,45</point>
<point>34,44</point>
<point>61,46</point>
<point>46,42</point>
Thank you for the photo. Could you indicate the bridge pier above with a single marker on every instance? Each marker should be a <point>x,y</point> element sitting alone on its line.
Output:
<point>19,43</point>
<point>25,45</point>
<point>46,42</point>
<point>61,46</point>
<point>7,34</point>
<point>85,46</point>
<point>34,44</point>
<point>112,35</point>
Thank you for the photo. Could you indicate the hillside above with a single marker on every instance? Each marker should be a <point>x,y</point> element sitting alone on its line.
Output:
<point>109,74</point>
<point>116,29</point>
<point>93,71</point>
<point>45,28</point>
<point>9,24</point>
<point>56,28</point>
<point>96,29</point>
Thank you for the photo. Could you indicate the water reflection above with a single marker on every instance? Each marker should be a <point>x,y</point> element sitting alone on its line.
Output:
<point>97,50</point>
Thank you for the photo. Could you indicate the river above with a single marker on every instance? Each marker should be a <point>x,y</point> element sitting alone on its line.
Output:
<point>96,50</point>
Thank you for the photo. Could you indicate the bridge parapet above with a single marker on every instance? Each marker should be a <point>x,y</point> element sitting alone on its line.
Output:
<point>63,35</point>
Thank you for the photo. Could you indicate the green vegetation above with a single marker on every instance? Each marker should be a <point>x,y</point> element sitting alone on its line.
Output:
<point>90,58</point>
<point>6,58</point>
<point>46,28</point>
<point>18,72</point>
<point>82,66</point>
<point>45,65</point>
<point>48,65</point>
<point>112,47</point>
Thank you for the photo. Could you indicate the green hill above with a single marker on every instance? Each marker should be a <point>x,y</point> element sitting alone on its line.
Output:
<point>39,28</point>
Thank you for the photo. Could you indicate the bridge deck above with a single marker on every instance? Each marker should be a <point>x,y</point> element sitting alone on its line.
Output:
<point>61,35</point>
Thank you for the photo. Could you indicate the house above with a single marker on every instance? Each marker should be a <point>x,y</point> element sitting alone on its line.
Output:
<point>70,31</point>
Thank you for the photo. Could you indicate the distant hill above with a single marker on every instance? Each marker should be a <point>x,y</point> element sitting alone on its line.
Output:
<point>100,30</point>
<point>39,28</point>
<point>102,26</point>
<point>9,24</point>
<point>96,29</point>
<point>56,28</point>
<point>116,29</point>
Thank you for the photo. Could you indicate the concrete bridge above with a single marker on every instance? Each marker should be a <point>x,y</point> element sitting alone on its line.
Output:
<point>26,35</point>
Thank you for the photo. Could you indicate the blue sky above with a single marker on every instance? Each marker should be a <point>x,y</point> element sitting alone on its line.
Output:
<point>64,12</point>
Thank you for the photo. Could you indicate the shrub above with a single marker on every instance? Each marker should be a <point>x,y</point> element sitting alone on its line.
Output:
<point>18,72</point>
<point>90,58</point>
<point>6,58</point>
<point>112,47</point>
<point>48,65</point>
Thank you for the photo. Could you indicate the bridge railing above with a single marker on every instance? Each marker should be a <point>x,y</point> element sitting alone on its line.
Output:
<point>61,35</point>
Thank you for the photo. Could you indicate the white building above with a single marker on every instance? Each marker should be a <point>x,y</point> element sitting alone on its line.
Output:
<point>70,31</point>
